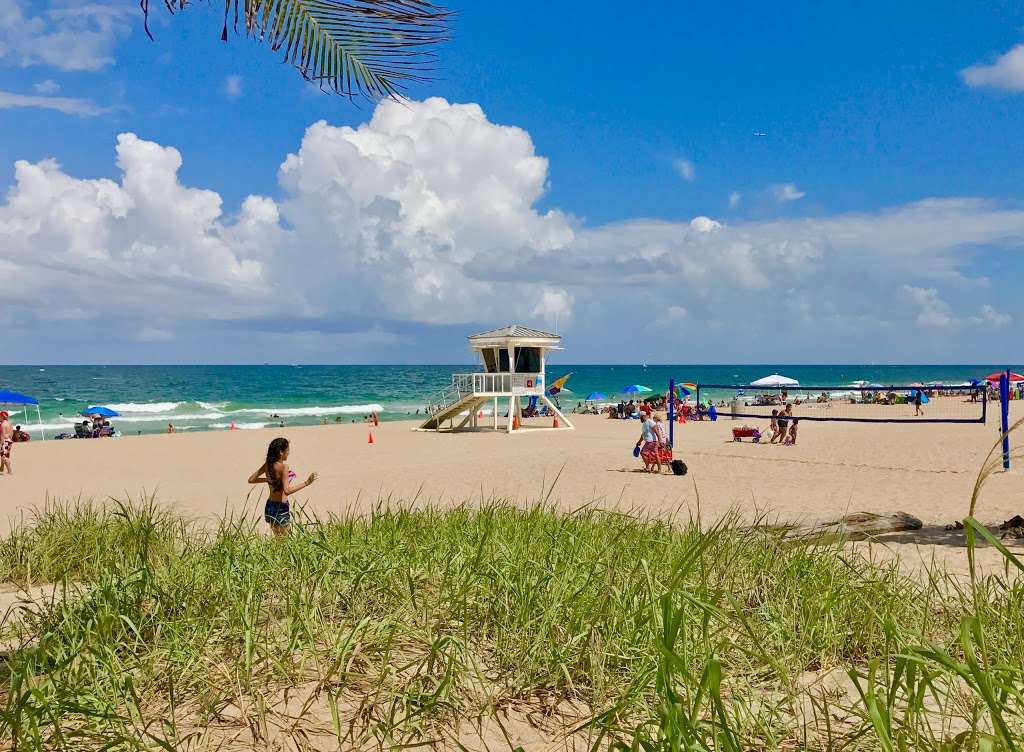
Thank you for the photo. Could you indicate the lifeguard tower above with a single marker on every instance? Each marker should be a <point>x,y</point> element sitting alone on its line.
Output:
<point>513,368</point>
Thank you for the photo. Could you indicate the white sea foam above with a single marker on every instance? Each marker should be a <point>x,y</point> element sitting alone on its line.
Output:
<point>172,417</point>
<point>34,427</point>
<point>296,412</point>
<point>242,426</point>
<point>145,407</point>
<point>212,405</point>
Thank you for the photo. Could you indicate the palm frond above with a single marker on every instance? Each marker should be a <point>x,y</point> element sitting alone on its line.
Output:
<point>372,48</point>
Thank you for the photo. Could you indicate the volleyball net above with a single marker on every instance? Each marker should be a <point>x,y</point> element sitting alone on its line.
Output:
<point>853,404</point>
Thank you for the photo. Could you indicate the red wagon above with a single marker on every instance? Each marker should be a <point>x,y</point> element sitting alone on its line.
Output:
<point>746,432</point>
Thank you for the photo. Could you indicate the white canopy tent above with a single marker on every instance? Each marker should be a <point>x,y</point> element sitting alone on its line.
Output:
<point>775,381</point>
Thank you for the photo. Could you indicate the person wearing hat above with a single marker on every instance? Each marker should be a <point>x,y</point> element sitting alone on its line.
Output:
<point>6,442</point>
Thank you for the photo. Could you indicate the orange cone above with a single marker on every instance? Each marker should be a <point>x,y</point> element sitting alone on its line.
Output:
<point>369,440</point>
<point>515,422</point>
<point>554,422</point>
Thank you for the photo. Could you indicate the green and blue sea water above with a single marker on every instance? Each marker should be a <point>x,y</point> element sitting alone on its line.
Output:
<point>197,397</point>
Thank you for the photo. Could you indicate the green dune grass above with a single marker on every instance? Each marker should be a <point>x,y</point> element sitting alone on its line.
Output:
<point>625,632</point>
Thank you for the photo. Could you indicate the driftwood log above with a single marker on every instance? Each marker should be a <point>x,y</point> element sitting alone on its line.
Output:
<point>852,527</point>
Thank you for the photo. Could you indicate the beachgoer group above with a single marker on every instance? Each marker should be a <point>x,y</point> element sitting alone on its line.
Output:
<point>653,441</point>
<point>783,426</point>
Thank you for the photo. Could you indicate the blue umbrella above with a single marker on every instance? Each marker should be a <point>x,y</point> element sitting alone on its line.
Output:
<point>103,412</point>
<point>636,389</point>
<point>594,396</point>
<point>14,398</point>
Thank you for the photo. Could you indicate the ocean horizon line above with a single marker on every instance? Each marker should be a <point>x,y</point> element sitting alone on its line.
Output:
<point>607,364</point>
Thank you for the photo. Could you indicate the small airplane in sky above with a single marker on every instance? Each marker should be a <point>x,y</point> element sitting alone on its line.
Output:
<point>760,134</point>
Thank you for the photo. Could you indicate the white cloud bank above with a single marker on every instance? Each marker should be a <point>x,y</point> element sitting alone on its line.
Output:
<point>69,35</point>
<point>427,216</point>
<point>1007,72</point>
<point>67,105</point>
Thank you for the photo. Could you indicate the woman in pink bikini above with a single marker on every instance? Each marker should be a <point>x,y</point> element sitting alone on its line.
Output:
<point>281,480</point>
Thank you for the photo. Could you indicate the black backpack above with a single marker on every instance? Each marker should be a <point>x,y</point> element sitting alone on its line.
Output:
<point>678,467</point>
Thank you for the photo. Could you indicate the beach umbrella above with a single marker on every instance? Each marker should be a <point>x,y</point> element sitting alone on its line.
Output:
<point>595,396</point>
<point>994,377</point>
<point>636,389</point>
<point>775,381</point>
<point>685,389</point>
<point>103,412</point>
<point>558,385</point>
<point>8,398</point>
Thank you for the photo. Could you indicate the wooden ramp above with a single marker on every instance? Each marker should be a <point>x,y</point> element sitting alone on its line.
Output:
<point>470,404</point>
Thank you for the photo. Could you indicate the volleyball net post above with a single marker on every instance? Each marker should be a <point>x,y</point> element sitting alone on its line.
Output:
<point>672,412</point>
<point>1004,415</point>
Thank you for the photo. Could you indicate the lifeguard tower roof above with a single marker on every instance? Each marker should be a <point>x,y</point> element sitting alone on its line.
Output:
<point>522,334</point>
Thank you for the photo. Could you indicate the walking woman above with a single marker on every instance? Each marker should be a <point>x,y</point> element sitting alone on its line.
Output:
<point>275,473</point>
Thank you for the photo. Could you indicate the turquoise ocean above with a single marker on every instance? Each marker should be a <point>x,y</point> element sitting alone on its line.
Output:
<point>211,397</point>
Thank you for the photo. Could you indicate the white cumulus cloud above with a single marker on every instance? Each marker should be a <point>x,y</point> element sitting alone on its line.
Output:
<point>989,315</point>
<point>142,247</point>
<point>426,213</point>
<point>1007,72</point>
<point>932,310</point>
<point>49,86</point>
<point>233,87</point>
<point>686,169</point>
<point>786,192</point>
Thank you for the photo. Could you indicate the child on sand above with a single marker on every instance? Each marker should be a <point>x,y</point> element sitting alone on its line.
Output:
<point>791,439</point>
<point>774,427</point>
<point>275,473</point>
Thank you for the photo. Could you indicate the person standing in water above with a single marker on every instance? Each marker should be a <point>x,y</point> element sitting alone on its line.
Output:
<point>275,473</point>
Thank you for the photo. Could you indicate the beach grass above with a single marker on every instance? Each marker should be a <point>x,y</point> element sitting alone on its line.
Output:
<point>415,626</point>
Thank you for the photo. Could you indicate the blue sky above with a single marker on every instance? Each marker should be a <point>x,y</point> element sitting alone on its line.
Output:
<point>880,218</point>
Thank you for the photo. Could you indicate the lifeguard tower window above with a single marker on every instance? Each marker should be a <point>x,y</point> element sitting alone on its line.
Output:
<point>527,360</point>
<point>490,363</point>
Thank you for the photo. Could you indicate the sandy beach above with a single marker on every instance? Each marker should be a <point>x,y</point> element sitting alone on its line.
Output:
<point>925,470</point>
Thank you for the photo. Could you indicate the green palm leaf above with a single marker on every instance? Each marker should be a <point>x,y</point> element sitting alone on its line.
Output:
<point>371,48</point>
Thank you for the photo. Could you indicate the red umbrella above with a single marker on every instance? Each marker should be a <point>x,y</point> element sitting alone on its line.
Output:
<point>994,377</point>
